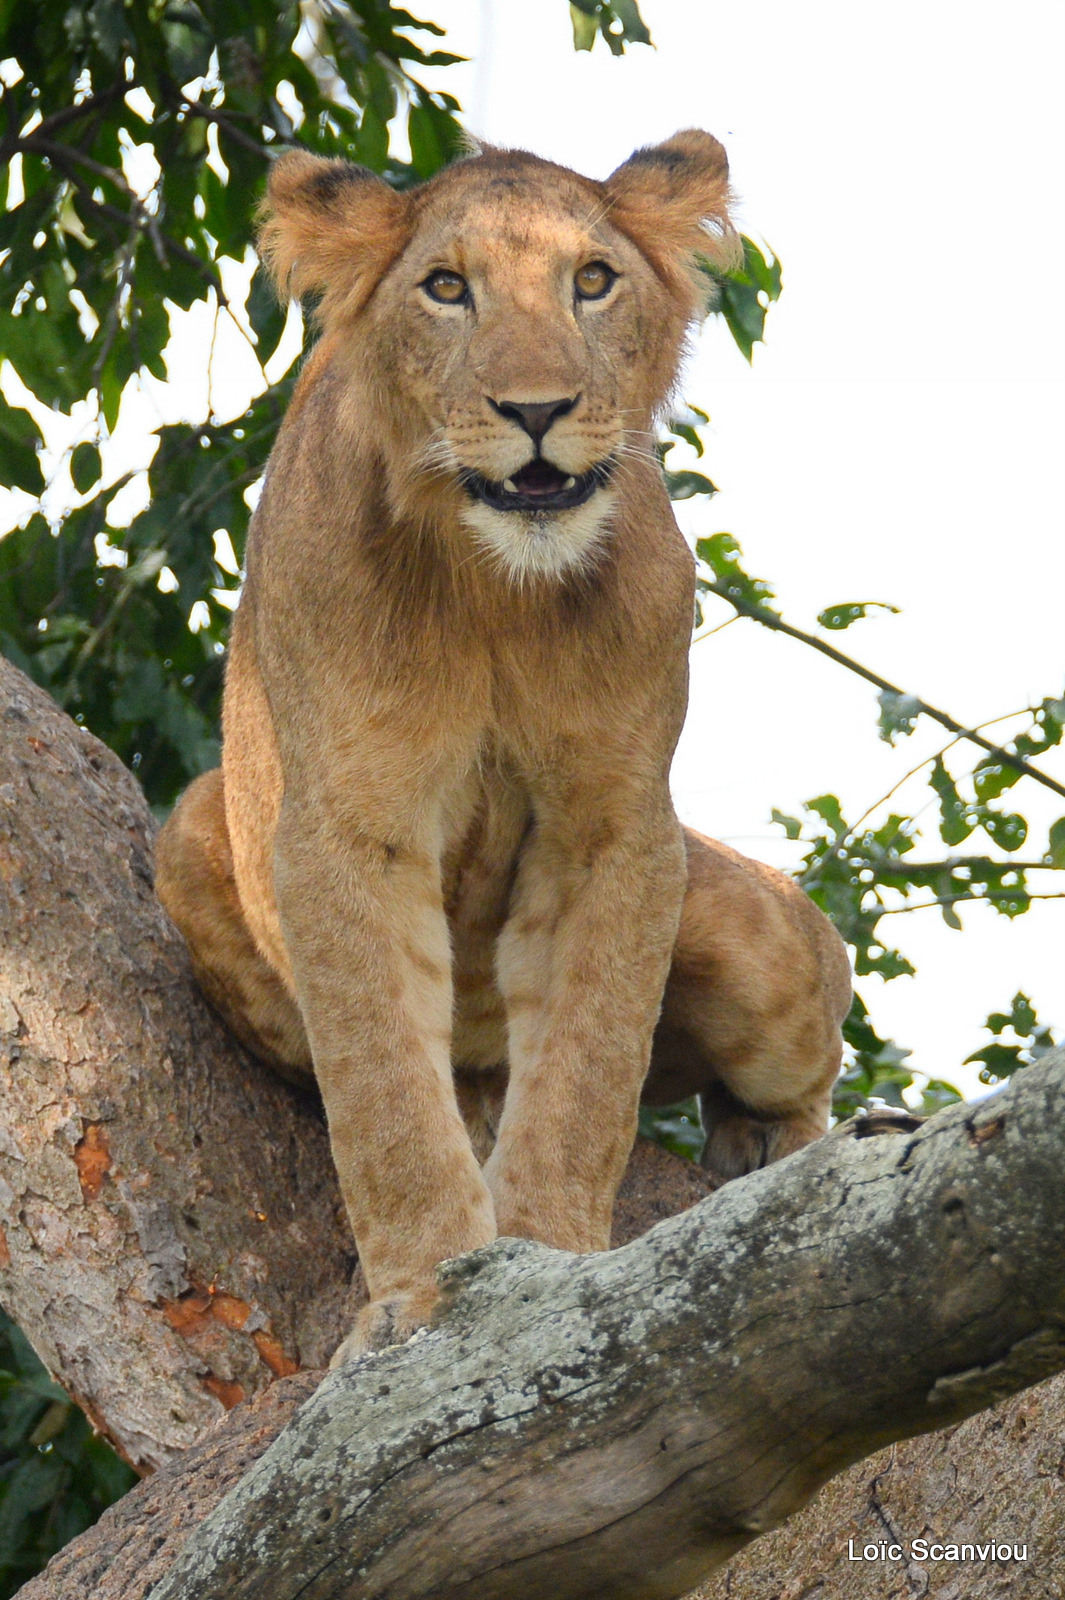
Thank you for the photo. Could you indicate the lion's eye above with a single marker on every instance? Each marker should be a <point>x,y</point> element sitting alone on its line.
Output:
<point>595,280</point>
<point>447,287</point>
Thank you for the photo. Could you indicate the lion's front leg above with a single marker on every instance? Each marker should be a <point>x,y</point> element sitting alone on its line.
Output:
<point>364,926</point>
<point>582,963</point>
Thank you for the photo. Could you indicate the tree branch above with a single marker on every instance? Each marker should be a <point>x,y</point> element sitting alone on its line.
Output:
<point>90,106</point>
<point>769,619</point>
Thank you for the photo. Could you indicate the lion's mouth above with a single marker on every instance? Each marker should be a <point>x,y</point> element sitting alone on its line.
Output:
<point>539,486</point>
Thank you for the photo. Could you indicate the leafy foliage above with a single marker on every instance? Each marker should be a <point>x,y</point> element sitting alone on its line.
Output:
<point>55,1476</point>
<point>1019,1039</point>
<point>861,872</point>
<point>140,133</point>
<point>617,21</point>
<point>838,617</point>
<point>684,484</point>
<point>678,1128</point>
<point>744,295</point>
<point>721,555</point>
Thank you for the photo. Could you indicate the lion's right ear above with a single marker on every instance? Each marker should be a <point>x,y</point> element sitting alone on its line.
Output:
<point>330,228</point>
<point>672,200</point>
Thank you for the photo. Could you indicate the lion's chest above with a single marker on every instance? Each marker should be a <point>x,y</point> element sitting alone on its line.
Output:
<point>487,825</point>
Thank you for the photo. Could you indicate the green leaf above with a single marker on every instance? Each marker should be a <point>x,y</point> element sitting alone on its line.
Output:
<point>1055,855</point>
<point>688,432</point>
<point>1034,1039</point>
<point>20,464</point>
<point>683,485</point>
<point>898,714</point>
<point>992,777</point>
<point>585,25</point>
<point>434,137</point>
<point>619,22</point>
<point>85,467</point>
<point>744,294</point>
<point>265,314</point>
<point>628,14</point>
<point>957,821</point>
<point>791,825</point>
<point>828,807</point>
<point>839,617</point>
<point>187,40</point>
<point>373,139</point>
<point>721,554</point>
<point>1022,1014</point>
<point>999,1061</point>
<point>936,1095</point>
<point>109,29</point>
<point>1006,828</point>
<point>677,1128</point>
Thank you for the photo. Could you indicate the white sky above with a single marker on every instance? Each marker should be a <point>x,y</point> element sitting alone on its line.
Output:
<point>899,437</point>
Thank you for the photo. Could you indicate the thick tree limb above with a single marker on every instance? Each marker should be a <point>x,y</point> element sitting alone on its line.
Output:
<point>617,1426</point>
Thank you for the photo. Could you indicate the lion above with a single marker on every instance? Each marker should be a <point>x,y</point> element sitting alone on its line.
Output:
<point>439,867</point>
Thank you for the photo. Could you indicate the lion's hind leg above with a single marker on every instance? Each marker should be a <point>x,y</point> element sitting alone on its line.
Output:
<point>751,1016</point>
<point>194,880</point>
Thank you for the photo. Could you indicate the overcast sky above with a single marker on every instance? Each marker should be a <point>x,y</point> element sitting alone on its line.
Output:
<point>899,437</point>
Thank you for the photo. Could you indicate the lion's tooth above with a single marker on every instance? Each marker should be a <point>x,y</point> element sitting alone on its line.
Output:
<point>570,483</point>
<point>510,486</point>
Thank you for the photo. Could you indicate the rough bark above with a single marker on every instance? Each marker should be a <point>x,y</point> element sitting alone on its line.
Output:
<point>171,1236</point>
<point>617,1426</point>
<point>998,1477</point>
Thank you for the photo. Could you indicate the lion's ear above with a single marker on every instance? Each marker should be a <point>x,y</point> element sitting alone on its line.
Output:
<point>330,228</point>
<point>672,200</point>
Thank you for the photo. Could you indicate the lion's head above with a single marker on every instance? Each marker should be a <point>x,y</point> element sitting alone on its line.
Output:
<point>510,326</point>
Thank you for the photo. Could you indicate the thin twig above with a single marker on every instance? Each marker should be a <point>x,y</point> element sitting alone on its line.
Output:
<point>62,153</point>
<point>902,869</point>
<point>222,119</point>
<point>769,619</point>
<point>706,633</point>
<point>852,829</point>
<point>59,119</point>
<point>968,899</point>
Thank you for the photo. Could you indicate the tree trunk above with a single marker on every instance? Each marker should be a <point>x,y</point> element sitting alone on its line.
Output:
<point>617,1426</point>
<point>171,1235</point>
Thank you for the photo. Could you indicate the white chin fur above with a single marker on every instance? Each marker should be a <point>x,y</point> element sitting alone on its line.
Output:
<point>529,544</point>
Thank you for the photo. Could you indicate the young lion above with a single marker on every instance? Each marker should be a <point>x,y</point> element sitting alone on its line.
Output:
<point>440,861</point>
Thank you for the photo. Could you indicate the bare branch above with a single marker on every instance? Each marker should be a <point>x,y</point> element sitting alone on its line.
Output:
<point>769,619</point>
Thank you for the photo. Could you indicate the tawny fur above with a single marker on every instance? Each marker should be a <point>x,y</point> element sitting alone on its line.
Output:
<point>440,860</point>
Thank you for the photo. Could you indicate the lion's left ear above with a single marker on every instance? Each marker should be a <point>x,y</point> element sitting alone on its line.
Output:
<point>672,200</point>
<point>330,228</point>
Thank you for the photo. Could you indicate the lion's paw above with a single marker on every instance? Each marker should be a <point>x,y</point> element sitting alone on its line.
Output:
<point>392,1320</point>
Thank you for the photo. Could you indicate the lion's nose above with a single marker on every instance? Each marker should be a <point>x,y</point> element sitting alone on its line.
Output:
<point>534,416</point>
